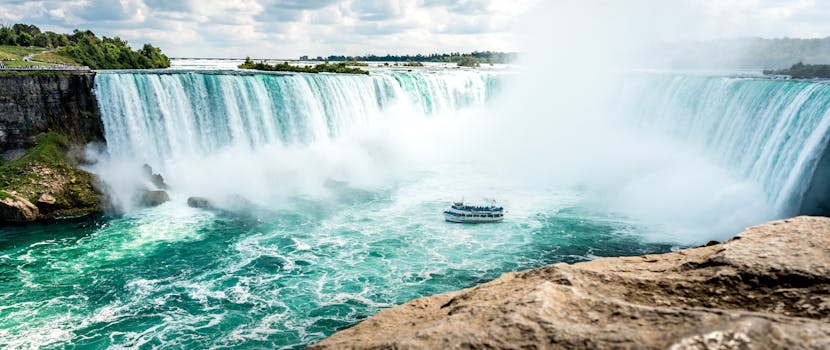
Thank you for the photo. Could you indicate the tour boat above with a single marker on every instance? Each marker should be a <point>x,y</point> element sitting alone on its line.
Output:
<point>474,214</point>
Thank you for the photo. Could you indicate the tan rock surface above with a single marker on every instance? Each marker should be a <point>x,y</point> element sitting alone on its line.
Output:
<point>16,208</point>
<point>767,288</point>
<point>46,199</point>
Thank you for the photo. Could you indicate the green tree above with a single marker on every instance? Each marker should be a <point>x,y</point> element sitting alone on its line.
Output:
<point>467,61</point>
<point>25,39</point>
<point>86,48</point>
<point>42,40</point>
<point>8,36</point>
<point>61,40</point>
<point>30,29</point>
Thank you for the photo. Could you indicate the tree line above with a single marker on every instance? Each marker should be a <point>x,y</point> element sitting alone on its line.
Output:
<point>340,67</point>
<point>85,48</point>
<point>480,57</point>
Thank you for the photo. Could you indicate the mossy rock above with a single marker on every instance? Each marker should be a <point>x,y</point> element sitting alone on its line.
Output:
<point>46,169</point>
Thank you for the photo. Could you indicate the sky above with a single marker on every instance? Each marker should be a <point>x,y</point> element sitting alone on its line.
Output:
<point>290,28</point>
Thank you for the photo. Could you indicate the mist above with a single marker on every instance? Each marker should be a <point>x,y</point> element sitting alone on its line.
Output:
<point>560,124</point>
<point>557,124</point>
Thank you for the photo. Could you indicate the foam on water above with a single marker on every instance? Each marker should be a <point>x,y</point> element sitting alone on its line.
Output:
<point>282,280</point>
<point>346,177</point>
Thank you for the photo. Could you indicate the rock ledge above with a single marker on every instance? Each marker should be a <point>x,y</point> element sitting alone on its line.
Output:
<point>767,288</point>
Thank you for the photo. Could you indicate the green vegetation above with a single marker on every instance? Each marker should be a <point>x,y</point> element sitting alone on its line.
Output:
<point>46,168</point>
<point>356,64</point>
<point>804,71</point>
<point>468,62</point>
<point>25,64</point>
<point>52,57</point>
<point>285,67</point>
<point>411,63</point>
<point>480,57</point>
<point>78,48</point>
<point>18,52</point>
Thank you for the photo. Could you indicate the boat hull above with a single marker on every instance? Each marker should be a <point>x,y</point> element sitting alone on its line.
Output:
<point>472,220</point>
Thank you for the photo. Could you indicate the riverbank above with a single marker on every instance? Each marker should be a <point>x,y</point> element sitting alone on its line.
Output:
<point>768,287</point>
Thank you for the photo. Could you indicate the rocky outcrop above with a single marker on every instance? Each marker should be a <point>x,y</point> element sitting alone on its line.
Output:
<point>156,179</point>
<point>39,101</point>
<point>47,176</point>
<point>199,202</point>
<point>767,288</point>
<point>153,198</point>
<point>15,208</point>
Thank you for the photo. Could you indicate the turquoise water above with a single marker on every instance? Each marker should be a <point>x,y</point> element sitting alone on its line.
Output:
<point>174,276</point>
<point>769,131</point>
<point>344,180</point>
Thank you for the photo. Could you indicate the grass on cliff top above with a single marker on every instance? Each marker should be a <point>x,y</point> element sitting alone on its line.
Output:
<point>26,64</point>
<point>12,56</point>
<point>54,57</point>
<point>5,56</point>
<point>18,52</point>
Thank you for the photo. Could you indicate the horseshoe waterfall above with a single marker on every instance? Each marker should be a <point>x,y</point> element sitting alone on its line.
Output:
<point>298,205</point>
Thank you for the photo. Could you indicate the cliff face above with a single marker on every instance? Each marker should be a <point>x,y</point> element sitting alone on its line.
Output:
<point>36,102</point>
<point>767,288</point>
<point>46,117</point>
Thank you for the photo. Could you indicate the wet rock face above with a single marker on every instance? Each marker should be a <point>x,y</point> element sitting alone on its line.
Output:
<point>36,103</point>
<point>154,198</point>
<point>199,202</point>
<point>767,288</point>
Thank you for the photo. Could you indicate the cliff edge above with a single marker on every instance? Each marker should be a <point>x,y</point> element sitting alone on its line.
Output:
<point>46,120</point>
<point>767,288</point>
<point>34,102</point>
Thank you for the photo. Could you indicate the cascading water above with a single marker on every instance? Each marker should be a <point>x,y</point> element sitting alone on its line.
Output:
<point>292,271</point>
<point>152,117</point>
<point>771,132</point>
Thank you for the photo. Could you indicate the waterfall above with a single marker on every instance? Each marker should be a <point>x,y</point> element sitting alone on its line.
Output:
<point>769,132</point>
<point>157,116</point>
<point>772,132</point>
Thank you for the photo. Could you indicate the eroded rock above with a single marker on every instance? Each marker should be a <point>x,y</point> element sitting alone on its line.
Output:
<point>154,178</point>
<point>46,199</point>
<point>154,198</point>
<point>199,202</point>
<point>16,208</point>
<point>767,288</point>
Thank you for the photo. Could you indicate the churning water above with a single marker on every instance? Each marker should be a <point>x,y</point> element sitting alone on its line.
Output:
<point>344,179</point>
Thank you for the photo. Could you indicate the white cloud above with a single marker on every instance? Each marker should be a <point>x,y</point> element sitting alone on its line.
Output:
<point>289,28</point>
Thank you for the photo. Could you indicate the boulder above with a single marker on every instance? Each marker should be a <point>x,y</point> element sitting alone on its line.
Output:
<point>156,179</point>
<point>15,208</point>
<point>153,198</point>
<point>199,202</point>
<point>767,288</point>
<point>46,199</point>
